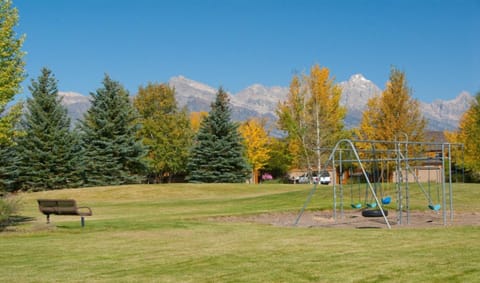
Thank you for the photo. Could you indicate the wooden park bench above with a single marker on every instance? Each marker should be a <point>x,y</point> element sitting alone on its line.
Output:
<point>63,207</point>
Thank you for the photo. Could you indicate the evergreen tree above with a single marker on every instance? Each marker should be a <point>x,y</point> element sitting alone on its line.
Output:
<point>112,152</point>
<point>8,169</point>
<point>165,130</point>
<point>218,154</point>
<point>48,150</point>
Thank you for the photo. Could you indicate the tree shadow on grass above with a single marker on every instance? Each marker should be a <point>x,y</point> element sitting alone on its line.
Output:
<point>14,221</point>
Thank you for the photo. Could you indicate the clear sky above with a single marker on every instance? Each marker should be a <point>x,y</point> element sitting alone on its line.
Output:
<point>236,43</point>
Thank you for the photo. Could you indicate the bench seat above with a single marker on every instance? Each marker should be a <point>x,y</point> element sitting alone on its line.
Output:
<point>63,207</point>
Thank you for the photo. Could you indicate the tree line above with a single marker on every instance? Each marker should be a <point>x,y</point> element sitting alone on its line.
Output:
<point>151,139</point>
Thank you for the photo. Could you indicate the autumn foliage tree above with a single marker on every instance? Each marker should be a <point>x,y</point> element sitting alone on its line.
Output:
<point>11,76</point>
<point>257,142</point>
<point>312,116</point>
<point>11,70</point>
<point>394,114</point>
<point>196,119</point>
<point>165,131</point>
<point>469,134</point>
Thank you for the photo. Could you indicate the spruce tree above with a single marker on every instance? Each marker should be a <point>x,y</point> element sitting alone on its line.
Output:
<point>48,150</point>
<point>9,168</point>
<point>112,151</point>
<point>218,154</point>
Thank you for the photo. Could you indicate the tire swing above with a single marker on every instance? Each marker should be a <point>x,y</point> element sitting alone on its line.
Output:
<point>373,179</point>
<point>374,213</point>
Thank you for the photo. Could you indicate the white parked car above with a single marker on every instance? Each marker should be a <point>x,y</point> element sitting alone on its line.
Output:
<point>325,178</point>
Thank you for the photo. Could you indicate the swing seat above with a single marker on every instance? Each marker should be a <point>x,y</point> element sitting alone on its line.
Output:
<point>386,200</point>
<point>356,205</point>
<point>435,207</point>
<point>372,205</point>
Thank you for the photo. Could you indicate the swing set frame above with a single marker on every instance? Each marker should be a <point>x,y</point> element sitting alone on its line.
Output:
<point>405,159</point>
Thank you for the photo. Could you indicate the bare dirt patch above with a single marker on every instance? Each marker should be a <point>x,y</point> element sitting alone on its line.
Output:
<point>354,219</point>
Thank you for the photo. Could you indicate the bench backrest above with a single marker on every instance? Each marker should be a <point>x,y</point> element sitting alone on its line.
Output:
<point>58,206</point>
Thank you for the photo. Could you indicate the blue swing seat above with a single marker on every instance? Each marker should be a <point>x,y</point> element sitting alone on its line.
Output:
<point>372,205</point>
<point>386,200</point>
<point>356,205</point>
<point>435,207</point>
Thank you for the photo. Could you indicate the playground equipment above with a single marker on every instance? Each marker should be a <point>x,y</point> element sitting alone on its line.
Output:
<point>396,166</point>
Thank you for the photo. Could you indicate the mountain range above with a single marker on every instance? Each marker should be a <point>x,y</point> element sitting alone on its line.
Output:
<point>261,101</point>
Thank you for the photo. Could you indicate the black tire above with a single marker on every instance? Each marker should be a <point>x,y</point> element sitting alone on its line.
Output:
<point>374,213</point>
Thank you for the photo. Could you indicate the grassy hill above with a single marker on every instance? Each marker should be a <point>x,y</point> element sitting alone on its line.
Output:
<point>171,233</point>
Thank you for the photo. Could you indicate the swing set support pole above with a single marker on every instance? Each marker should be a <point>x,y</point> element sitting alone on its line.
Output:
<point>305,204</point>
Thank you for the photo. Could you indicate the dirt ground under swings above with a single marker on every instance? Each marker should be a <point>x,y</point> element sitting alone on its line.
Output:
<point>354,219</point>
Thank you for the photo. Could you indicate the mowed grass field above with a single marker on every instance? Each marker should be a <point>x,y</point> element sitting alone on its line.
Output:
<point>171,233</point>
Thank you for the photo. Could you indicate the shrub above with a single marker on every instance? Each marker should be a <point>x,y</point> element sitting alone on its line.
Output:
<point>9,205</point>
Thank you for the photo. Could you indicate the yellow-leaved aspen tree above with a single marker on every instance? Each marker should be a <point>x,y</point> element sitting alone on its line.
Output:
<point>469,134</point>
<point>392,116</point>
<point>312,115</point>
<point>257,145</point>
<point>292,119</point>
<point>326,114</point>
<point>393,113</point>
<point>196,119</point>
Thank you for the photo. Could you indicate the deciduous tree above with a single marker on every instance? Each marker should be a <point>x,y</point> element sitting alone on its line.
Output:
<point>196,119</point>
<point>469,134</point>
<point>393,114</point>
<point>165,131</point>
<point>327,115</point>
<point>11,70</point>
<point>312,115</point>
<point>257,145</point>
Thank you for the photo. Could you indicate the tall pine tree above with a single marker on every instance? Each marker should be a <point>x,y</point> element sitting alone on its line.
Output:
<point>112,151</point>
<point>48,150</point>
<point>218,154</point>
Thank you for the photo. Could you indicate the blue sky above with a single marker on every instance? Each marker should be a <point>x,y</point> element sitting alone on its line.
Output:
<point>236,43</point>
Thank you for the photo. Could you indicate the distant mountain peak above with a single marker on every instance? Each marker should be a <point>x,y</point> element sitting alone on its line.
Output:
<point>258,100</point>
<point>181,80</point>
<point>358,78</point>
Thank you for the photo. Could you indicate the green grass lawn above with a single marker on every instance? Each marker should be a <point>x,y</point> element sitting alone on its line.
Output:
<point>165,233</point>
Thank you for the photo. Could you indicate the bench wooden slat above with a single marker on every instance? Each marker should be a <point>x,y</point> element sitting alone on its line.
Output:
<point>62,207</point>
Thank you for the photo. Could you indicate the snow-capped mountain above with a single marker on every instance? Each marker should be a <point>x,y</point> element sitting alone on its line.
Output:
<point>261,101</point>
<point>445,114</point>
<point>355,94</point>
<point>75,103</point>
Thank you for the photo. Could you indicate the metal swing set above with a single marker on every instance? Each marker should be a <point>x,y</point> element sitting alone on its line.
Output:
<point>394,166</point>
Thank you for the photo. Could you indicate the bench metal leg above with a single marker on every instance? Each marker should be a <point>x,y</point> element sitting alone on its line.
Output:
<point>48,218</point>
<point>82,220</point>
